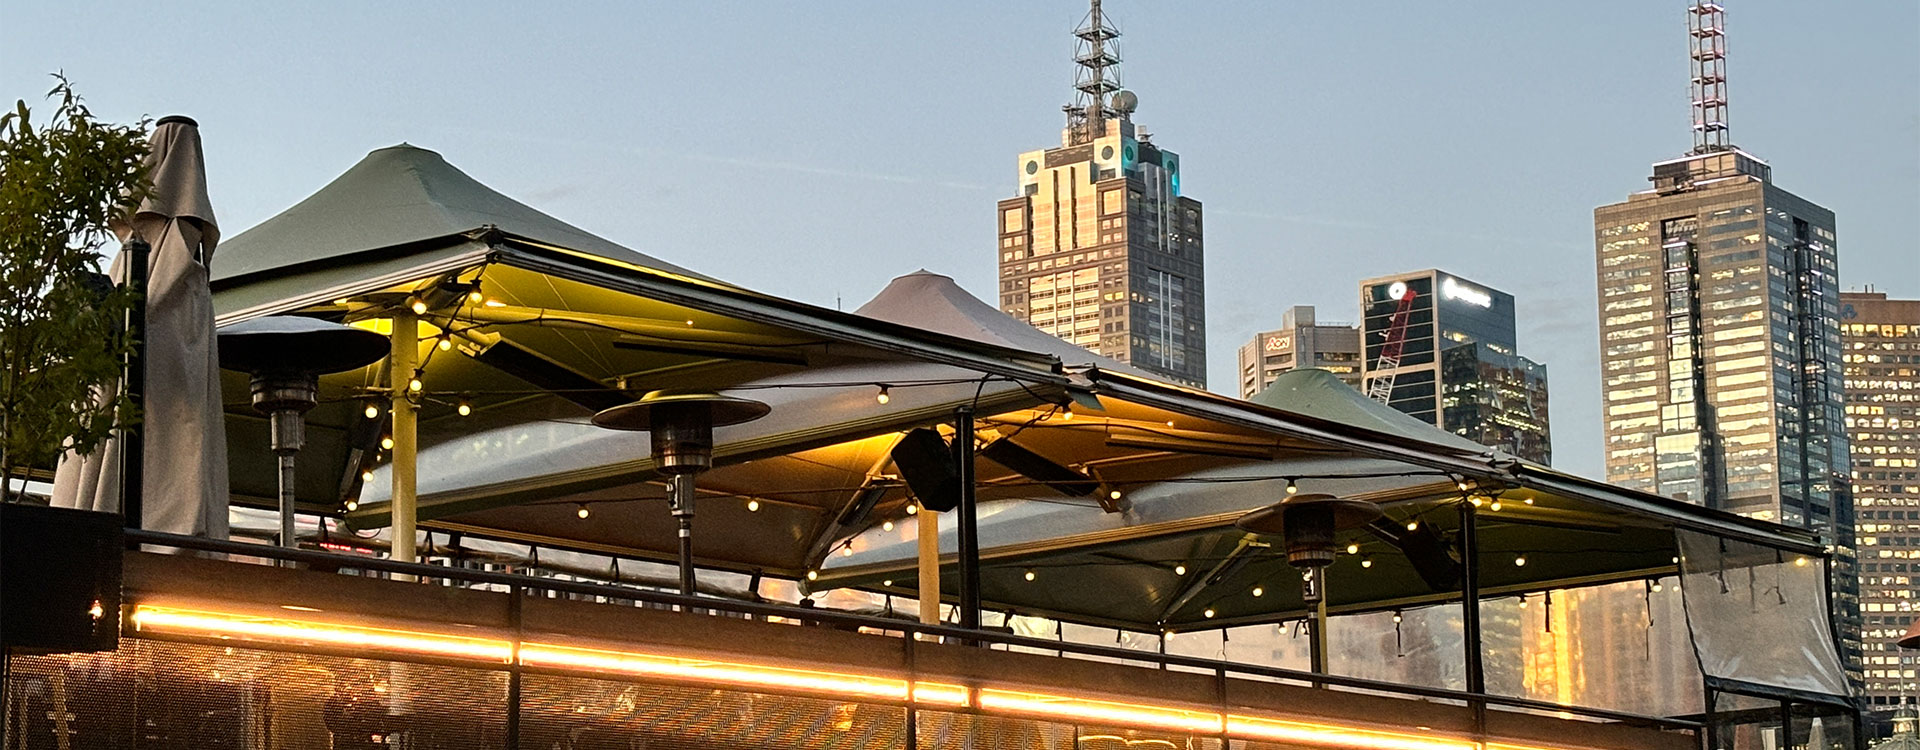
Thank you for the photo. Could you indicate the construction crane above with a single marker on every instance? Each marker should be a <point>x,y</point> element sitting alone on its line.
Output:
<point>1380,386</point>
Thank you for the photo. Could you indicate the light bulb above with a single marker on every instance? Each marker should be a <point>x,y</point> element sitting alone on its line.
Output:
<point>888,582</point>
<point>583,512</point>
<point>913,508</point>
<point>1366,562</point>
<point>475,296</point>
<point>1528,499</point>
<point>1208,613</point>
<point>1257,591</point>
<point>366,476</point>
<point>1657,587</point>
<point>813,575</point>
<point>353,505</point>
<point>1113,494</point>
<point>1169,423</point>
<point>1523,602</point>
<point>446,343</point>
<point>1800,562</point>
<point>1179,570</point>
<point>753,506</point>
<point>1462,484</point>
<point>1475,501</point>
<point>886,526</point>
<point>465,409</point>
<point>1066,411</point>
<point>883,398</point>
<point>1030,576</point>
<point>415,385</point>
<point>1353,548</point>
<point>386,442</point>
<point>373,411</point>
<point>1519,561</point>
<point>1396,617</point>
<point>1494,506</point>
<point>419,306</point>
<point>1292,488</point>
<point>846,552</point>
<point>1413,525</point>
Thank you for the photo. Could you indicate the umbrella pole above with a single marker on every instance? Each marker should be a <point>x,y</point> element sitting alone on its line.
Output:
<point>969,522</point>
<point>400,367</point>
<point>929,547</point>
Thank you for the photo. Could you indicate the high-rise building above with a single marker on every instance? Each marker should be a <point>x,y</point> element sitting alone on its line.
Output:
<point>1881,360</point>
<point>1100,247</point>
<point>1720,348</point>
<point>1300,342</point>
<point>1457,367</point>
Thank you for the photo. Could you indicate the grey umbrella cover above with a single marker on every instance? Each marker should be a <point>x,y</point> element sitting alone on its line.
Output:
<point>186,454</point>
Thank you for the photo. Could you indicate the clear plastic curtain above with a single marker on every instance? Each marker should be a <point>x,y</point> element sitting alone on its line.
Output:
<point>1759,615</point>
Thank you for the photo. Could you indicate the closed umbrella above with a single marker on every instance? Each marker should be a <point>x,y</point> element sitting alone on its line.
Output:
<point>185,486</point>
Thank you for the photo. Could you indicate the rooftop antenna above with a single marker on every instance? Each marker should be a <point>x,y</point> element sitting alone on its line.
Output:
<point>1097,77</point>
<point>1707,46</point>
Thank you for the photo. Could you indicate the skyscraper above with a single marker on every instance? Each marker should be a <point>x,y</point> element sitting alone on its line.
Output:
<point>1720,348</point>
<point>1300,342</point>
<point>1100,247</point>
<point>1457,367</point>
<point>1881,339</point>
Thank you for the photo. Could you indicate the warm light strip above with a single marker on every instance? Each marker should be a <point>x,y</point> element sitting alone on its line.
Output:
<point>1322,735</point>
<point>147,618</point>
<point>221,624</point>
<point>1090,711</point>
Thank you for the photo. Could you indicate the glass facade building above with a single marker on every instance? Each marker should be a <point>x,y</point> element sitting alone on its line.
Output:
<point>1301,341</point>
<point>1720,349</point>
<point>1881,362</point>
<point>1458,368</point>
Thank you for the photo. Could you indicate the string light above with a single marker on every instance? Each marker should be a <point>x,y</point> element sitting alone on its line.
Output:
<point>888,582</point>
<point>1030,576</point>
<point>1462,484</point>
<point>1475,501</point>
<point>753,506</point>
<point>1396,616</point>
<point>465,408</point>
<point>1066,412</point>
<point>373,410</point>
<point>419,306</point>
<point>1523,601</point>
<point>1179,570</point>
<point>1366,562</point>
<point>1257,591</point>
<point>813,575</point>
<point>1519,561</point>
<point>475,296</point>
<point>886,526</point>
<point>1353,548</point>
<point>1528,499</point>
<point>913,508</point>
<point>846,551</point>
<point>1658,587</point>
<point>353,505</point>
<point>1494,506</point>
<point>414,384</point>
<point>1208,613</point>
<point>445,343</point>
<point>386,442</point>
<point>366,476</point>
<point>1292,488</point>
<point>583,512</point>
<point>1113,494</point>
<point>883,398</point>
<point>1800,562</point>
<point>1413,525</point>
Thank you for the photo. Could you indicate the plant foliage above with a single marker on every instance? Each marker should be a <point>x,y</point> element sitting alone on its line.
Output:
<point>62,182</point>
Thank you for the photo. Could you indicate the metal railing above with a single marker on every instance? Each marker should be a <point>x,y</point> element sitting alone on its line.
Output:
<point>909,629</point>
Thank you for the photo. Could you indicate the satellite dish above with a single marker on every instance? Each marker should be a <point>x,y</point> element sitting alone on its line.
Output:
<point>1125,102</point>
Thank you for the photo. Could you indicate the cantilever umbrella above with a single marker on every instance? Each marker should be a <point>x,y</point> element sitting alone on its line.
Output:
<point>185,470</point>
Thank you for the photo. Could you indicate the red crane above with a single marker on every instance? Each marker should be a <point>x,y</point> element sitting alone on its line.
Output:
<point>1380,386</point>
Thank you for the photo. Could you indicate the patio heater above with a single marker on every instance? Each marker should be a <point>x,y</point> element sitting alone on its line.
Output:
<point>681,424</point>
<point>1309,524</point>
<point>286,355</point>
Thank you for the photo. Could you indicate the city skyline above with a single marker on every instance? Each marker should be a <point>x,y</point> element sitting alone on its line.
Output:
<point>1343,182</point>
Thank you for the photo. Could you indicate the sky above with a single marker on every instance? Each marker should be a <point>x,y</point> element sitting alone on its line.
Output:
<point>817,150</point>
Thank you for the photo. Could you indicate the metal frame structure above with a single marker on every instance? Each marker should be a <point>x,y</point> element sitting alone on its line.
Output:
<point>1707,49</point>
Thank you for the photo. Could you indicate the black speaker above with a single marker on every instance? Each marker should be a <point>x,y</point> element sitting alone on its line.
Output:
<point>59,579</point>
<point>926,462</point>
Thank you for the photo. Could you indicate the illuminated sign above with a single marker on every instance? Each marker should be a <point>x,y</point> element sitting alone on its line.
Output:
<point>1279,343</point>
<point>1454,290</point>
<point>1397,290</point>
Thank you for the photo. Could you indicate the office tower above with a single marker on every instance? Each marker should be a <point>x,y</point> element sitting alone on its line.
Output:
<point>1719,347</point>
<point>1442,349</point>
<point>1881,362</point>
<point>1301,341</point>
<point>1100,247</point>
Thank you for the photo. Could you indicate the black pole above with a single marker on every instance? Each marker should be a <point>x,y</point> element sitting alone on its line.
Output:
<point>132,449</point>
<point>1470,608</point>
<point>683,512</point>
<point>969,531</point>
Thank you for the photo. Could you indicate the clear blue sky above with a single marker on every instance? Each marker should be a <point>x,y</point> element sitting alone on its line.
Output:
<point>816,150</point>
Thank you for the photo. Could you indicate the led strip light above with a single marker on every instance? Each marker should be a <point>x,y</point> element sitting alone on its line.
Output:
<point>161,620</point>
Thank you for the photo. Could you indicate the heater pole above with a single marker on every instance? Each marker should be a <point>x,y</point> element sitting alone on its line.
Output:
<point>1317,625</point>
<point>683,512</point>
<point>969,522</point>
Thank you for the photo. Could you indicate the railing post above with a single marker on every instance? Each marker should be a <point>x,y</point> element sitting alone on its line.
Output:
<point>134,380</point>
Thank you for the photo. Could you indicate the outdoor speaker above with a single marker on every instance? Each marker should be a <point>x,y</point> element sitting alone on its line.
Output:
<point>926,463</point>
<point>59,579</point>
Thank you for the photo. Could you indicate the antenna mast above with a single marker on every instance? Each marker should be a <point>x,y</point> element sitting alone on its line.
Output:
<point>1097,77</point>
<point>1707,45</point>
